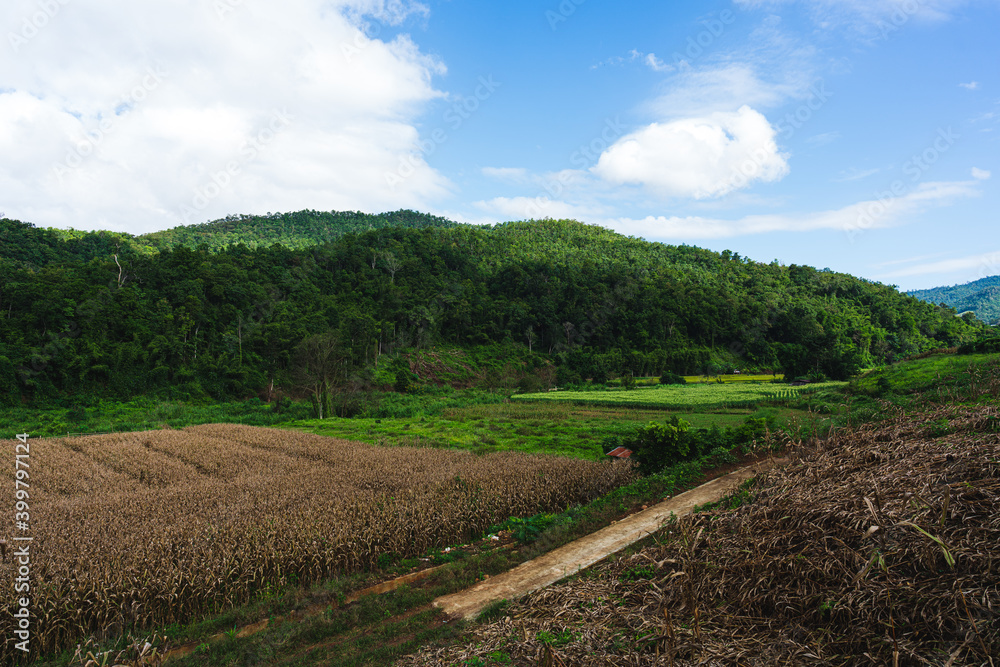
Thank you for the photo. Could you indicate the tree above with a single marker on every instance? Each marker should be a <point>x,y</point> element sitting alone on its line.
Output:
<point>321,364</point>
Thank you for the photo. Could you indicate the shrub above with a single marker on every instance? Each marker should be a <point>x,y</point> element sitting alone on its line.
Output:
<point>656,445</point>
<point>672,378</point>
<point>628,381</point>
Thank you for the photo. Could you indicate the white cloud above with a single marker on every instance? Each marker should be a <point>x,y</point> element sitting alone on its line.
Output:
<point>120,115</point>
<point>853,220</point>
<point>972,85</point>
<point>648,59</point>
<point>980,174</point>
<point>818,140</point>
<point>869,17</point>
<point>542,206</point>
<point>722,88</point>
<point>854,174</point>
<point>509,174</point>
<point>982,264</point>
<point>696,157</point>
<point>656,64</point>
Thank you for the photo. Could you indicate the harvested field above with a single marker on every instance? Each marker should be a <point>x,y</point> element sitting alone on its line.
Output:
<point>878,546</point>
<point>138,530</point>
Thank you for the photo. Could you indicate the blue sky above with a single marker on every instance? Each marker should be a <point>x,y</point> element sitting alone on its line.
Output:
<point>856,135</point>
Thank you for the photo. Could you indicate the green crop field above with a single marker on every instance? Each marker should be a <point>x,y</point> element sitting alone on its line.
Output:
<point>702,379</point>
<point>679,397</point>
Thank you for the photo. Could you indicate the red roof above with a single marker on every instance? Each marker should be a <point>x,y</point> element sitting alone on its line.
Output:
<point>620,452</point>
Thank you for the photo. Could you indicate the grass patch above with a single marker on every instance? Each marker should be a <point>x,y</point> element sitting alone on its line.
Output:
<point>680,397</point>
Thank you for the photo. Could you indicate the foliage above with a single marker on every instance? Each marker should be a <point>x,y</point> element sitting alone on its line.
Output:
<point>981,297</point>
<point>669,377</point>
<point>984,346</point>
<point>657,445</point>
<point>201,312</point>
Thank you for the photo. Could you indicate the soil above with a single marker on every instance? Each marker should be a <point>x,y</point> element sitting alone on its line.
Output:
<point>540,572</point>
<point>584,552</point>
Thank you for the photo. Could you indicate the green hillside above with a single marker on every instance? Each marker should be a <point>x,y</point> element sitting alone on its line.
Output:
<point>25,244</point>
<point>554,294</point>
<point>301,229</point>
<point>982,297</point>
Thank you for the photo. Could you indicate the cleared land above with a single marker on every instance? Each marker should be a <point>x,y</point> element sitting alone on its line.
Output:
<point>560,428</point>
<point>140,530</point>
<point>586,551</point>
<point>683,396</point>
<point>876,546</point>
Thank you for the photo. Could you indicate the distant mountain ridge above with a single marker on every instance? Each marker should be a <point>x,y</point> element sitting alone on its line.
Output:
<point>28,245</point>
<point>297,230</point>
<point>982,297</point>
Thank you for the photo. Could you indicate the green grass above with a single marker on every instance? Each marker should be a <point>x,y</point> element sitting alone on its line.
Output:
<point>562,429</point>
<point>139,414</point>
<point>929,373</point>
<point>679,397</point>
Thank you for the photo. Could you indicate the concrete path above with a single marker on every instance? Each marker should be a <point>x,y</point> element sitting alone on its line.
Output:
<point>584,552</point>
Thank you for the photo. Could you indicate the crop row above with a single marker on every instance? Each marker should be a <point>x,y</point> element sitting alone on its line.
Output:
<point>135,531</point>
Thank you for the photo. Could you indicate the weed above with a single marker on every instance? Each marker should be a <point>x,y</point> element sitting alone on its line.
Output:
<point>638,573</point>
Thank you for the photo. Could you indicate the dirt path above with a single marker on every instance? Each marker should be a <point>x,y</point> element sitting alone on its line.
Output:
<point>584,552</point>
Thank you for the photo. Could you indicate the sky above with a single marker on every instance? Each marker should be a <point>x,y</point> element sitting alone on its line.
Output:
<point>857,135</point>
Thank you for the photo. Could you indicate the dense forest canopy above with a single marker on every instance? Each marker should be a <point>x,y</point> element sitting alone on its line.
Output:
<point>981,297</point>
<point>104,314</point>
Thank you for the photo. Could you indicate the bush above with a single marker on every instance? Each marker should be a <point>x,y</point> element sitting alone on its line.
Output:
<point>656,445</point>
<point>985,346</point>
<point>566,376</point>
<point>672,378</point>
<point>628,381</point>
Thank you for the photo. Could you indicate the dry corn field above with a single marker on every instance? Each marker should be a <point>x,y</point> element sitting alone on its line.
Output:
<point>877,547</point>
<point>140,530</point>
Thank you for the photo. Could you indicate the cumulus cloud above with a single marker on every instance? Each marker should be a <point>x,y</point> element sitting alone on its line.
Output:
<point>980,174</point>
<point>972,85</point>
<point>696,157</point>
<point>143,116</point>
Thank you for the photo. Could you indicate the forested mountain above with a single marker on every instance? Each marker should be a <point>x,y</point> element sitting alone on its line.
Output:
<point>982,297</point>
<point>301,229</point>
<point>192,322</point>
<point>33,246</point>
